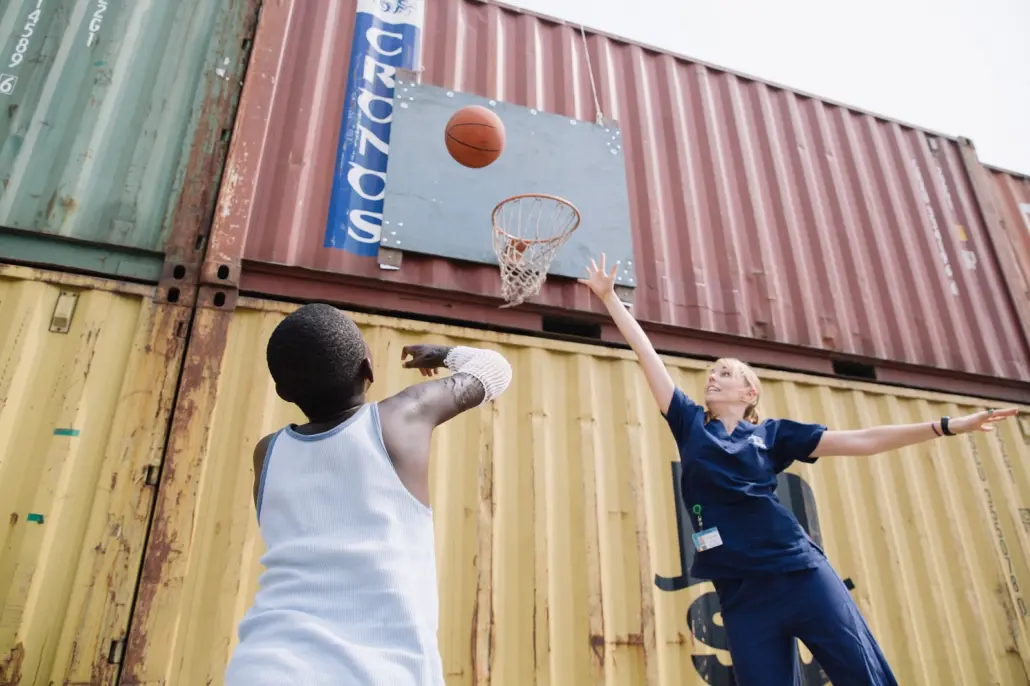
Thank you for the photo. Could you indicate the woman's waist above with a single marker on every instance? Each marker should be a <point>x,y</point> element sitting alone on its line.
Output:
<point>736,506</point>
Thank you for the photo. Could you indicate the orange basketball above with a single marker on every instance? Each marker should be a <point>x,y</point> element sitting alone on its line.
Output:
<point>474,136</point>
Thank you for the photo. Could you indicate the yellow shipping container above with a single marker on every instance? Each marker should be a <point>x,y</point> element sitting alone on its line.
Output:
<point>557,529</point>
<point>88,370</point>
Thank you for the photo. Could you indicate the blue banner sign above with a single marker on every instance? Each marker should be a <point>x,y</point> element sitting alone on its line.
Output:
<point>387,36</point>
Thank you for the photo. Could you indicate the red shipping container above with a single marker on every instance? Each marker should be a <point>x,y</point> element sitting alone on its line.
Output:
<point>1012,201</point>
<point>757,212</point>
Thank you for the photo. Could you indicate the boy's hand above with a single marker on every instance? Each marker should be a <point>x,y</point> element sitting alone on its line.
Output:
<point>425,358</point>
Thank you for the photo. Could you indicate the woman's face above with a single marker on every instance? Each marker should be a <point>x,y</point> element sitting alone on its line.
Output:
<point>725,387</point>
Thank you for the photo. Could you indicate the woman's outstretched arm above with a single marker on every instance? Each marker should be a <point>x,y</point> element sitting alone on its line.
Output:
<point>880,439</point>
<point>602,283</point>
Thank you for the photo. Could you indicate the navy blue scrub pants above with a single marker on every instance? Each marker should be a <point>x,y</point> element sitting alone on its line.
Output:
<point>763,615</point>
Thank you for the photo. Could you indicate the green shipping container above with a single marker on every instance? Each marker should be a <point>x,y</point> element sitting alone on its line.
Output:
<point>114,125</point>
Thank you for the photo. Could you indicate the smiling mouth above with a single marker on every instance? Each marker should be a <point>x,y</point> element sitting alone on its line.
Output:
<point>711,389</point>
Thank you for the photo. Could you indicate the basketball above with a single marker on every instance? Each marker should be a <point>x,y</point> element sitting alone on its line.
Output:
<point>474,136</point>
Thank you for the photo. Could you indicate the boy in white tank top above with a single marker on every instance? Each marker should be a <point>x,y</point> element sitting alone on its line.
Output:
<point>349,595</point>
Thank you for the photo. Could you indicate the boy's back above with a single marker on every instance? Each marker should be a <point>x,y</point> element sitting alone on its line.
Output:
<point>349,594</point>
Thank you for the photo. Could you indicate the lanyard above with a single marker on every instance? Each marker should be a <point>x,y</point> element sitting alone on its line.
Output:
<point>697,513</point>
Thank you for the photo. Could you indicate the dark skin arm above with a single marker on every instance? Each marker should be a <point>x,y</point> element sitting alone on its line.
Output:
<point>260,450</point>
<point>408,418</point>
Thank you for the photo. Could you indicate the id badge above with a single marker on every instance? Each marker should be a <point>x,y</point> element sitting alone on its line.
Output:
<point>707,539</point>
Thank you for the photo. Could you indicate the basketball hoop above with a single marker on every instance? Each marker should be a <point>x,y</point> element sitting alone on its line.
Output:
<point>528,231</point>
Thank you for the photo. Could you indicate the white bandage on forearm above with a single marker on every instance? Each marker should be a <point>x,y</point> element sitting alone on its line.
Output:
<point>492,370</point>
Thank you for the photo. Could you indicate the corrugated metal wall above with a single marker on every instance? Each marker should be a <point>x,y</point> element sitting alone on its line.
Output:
<point>759,211</point>
<point>83,414</point>
<point>116,125</point>
<point>555,510</point>
<point>1012,199</point>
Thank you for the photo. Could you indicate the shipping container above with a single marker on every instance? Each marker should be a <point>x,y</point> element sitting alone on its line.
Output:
<point>765,217</point>
<point>116,127</point>
<point>557,521</point>
<point>1012,200</point>
<point>88,371</point>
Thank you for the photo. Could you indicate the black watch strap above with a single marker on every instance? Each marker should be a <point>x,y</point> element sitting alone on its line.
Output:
<point>944,426</point>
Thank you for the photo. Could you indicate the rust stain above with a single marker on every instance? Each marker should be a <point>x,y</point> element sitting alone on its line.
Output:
<point>14,518</point>
<point>69,204</point>
<point>202,363</point>
<point>475,633</point>
<point>597,646</point>
<point>10,666</point>
<point>205,165</point>
<point>50,205</point>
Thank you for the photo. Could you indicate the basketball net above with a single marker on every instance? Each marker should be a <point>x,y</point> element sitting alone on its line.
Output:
<point>529,229</point>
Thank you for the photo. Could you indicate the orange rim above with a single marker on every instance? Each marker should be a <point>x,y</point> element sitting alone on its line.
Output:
<point>531,241</point>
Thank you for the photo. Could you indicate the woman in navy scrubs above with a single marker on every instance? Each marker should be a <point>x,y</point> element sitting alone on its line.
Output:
<point>774,584</point>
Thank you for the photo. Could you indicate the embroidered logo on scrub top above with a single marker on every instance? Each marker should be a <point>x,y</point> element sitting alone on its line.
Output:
<point>756,441</point>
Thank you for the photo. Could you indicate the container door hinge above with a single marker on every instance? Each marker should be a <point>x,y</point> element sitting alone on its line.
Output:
<point>153,475</point>
<point>61,320</point>
<point>117,652</point>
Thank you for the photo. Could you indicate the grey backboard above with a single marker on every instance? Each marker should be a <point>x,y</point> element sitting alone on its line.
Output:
<point>435,206</point>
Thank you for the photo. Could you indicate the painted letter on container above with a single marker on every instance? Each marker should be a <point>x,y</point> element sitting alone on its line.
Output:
<point>387,36</point>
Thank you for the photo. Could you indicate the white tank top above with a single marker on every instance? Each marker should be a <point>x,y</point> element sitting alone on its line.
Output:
<point>349,595</point>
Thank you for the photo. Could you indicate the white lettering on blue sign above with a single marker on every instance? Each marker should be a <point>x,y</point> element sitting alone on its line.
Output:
<point>386,38</point>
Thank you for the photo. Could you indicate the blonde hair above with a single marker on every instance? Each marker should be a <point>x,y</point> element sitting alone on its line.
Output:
<point>741,370</point>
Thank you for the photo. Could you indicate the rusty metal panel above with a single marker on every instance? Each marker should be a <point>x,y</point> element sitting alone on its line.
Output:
<point>555,510</point>
<point>88,371</point>
<point>1012,200</point>
<point>115,128</point>
<point>756,211</point>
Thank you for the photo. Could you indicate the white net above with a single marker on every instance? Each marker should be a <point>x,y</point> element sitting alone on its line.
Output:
<point>529,230</point>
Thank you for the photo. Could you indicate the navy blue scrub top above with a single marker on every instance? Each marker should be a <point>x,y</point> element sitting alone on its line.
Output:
<point>733,478</point>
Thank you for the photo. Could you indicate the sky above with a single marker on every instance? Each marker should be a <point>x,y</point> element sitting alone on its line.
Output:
<point>938,65</point>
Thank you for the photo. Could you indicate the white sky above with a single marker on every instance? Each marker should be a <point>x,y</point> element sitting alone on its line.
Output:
<point>940,64</point>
